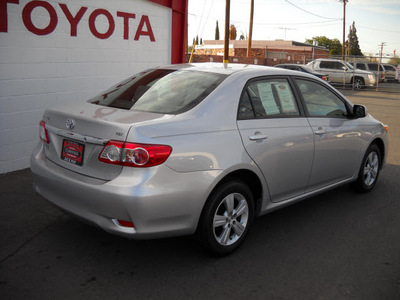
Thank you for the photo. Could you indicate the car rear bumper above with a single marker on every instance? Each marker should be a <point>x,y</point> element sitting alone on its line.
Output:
<point>158,201</point>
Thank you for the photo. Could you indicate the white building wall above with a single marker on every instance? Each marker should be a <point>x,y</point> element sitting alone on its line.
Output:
<point>41,71</point>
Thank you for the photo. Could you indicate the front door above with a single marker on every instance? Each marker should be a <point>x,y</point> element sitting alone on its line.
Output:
<point>336,134</point>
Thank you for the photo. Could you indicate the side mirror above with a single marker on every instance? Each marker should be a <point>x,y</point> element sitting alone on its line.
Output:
<point>359,111</point>
<point>344,68</point>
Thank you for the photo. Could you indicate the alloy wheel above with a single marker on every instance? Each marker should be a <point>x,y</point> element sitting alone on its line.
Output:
<point>230,219</point>
<point>371,168</point>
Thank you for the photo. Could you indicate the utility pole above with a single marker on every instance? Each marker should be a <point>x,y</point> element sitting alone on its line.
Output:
<point>226,39</point>
<point>344,25</point>
<point>379,65</point>
<point>250,28</point>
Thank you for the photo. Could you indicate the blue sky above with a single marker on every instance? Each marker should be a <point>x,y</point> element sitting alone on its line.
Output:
<point>376,21</point>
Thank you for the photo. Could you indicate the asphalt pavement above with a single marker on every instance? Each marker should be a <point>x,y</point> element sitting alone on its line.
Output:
<point>338,245</point>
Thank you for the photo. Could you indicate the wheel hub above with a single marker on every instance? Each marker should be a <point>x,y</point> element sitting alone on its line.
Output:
<point>230,219</point>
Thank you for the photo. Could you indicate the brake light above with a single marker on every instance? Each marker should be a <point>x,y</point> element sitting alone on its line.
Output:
<point>43,132</point>
<point>123,223</point>
<point>134,155</point>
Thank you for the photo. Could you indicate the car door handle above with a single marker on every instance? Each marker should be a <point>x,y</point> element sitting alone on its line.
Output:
<point>320,131</point>
<point>258,137</point>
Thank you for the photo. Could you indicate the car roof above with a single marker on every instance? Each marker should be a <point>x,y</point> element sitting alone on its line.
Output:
<point>235,70</point>
<point>288,64</point>
<point>219,67</point>
<point>328,59</point>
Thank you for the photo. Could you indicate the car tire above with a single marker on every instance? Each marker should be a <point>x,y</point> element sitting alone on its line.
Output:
<point>359,83</point>
<point>369,170</point>
<point>226,218</point>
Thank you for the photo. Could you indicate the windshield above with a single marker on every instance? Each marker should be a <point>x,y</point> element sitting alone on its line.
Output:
<point>161,91</point>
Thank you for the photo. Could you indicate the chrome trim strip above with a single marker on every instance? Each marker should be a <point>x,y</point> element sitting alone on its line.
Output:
<point>76,136</point>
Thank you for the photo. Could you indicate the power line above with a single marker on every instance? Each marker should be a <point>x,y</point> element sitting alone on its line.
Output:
<point>207,17</point>
<point>377,29</point>
<point>273,24</point>
<point>202,12</point>
<point>311,12</point>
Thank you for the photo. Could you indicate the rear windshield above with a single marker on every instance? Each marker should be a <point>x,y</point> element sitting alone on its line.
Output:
<point>161,91</point>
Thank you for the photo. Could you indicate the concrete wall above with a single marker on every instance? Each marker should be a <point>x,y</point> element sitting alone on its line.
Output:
<point>58,52</point>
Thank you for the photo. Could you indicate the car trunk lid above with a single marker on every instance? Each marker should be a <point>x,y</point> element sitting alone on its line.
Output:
<point>78,134</point>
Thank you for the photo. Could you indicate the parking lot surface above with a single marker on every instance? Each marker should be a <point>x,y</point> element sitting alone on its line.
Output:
<point>338,245</point>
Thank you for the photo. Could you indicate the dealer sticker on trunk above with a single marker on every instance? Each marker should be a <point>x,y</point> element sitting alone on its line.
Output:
<point>72,152</point>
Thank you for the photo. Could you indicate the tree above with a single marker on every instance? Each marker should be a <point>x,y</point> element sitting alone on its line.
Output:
<point>217,32</point>
<point>201,41</point>
<point>352,42</point>
<point>395,60</point>
<point>197,39</point>
<point>334,45</point>
<point>232,32</point>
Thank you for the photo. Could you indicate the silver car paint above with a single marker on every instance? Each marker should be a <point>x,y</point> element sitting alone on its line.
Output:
<point>285,156</point>
<point>208,144</point>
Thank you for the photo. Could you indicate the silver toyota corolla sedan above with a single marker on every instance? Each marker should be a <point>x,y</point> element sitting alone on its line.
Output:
<point>203,148</point>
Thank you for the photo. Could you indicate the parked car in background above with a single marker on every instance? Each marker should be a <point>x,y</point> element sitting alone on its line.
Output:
<point>373,68</point>
<point>303,68</point>
<point>390,72</point>
<point>341,72</point>
<point>203,148</point>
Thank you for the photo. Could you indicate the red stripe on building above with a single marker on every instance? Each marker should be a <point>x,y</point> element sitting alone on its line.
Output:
<point>179,28</point>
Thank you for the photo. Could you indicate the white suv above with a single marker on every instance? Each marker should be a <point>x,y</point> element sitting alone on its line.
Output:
<point>372,67</point>
<point>342,72</point>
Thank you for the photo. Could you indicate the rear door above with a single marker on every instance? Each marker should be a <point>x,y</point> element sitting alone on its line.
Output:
<point>276,136</point>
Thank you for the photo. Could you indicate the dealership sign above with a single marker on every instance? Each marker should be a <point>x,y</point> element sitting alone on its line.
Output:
<point>60,52</point>
<point>142,29</point>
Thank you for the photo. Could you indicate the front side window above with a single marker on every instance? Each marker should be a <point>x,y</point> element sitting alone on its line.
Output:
<point>267,98</point>
<point>326,65</point>
<point>161,91</point>
<point>320,101</point>
<point>337,65</point>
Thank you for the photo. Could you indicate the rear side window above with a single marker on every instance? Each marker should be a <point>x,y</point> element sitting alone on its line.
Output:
<point>390,68</point>
<point>161,91</point>
<point>267,98</point>
<point>361,66</point>
<point>373,67</point>
<point>320,101</point>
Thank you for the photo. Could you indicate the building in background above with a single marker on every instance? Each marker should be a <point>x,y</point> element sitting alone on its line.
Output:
<point>62,52</point>
<point>262,52</point>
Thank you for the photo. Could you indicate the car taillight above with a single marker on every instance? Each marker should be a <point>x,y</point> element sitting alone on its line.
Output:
<point>134,155</point>
<point>43,132</point>
<point>123,223</point>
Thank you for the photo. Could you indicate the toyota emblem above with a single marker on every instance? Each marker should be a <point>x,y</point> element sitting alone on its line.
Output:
<point>70,124</point>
